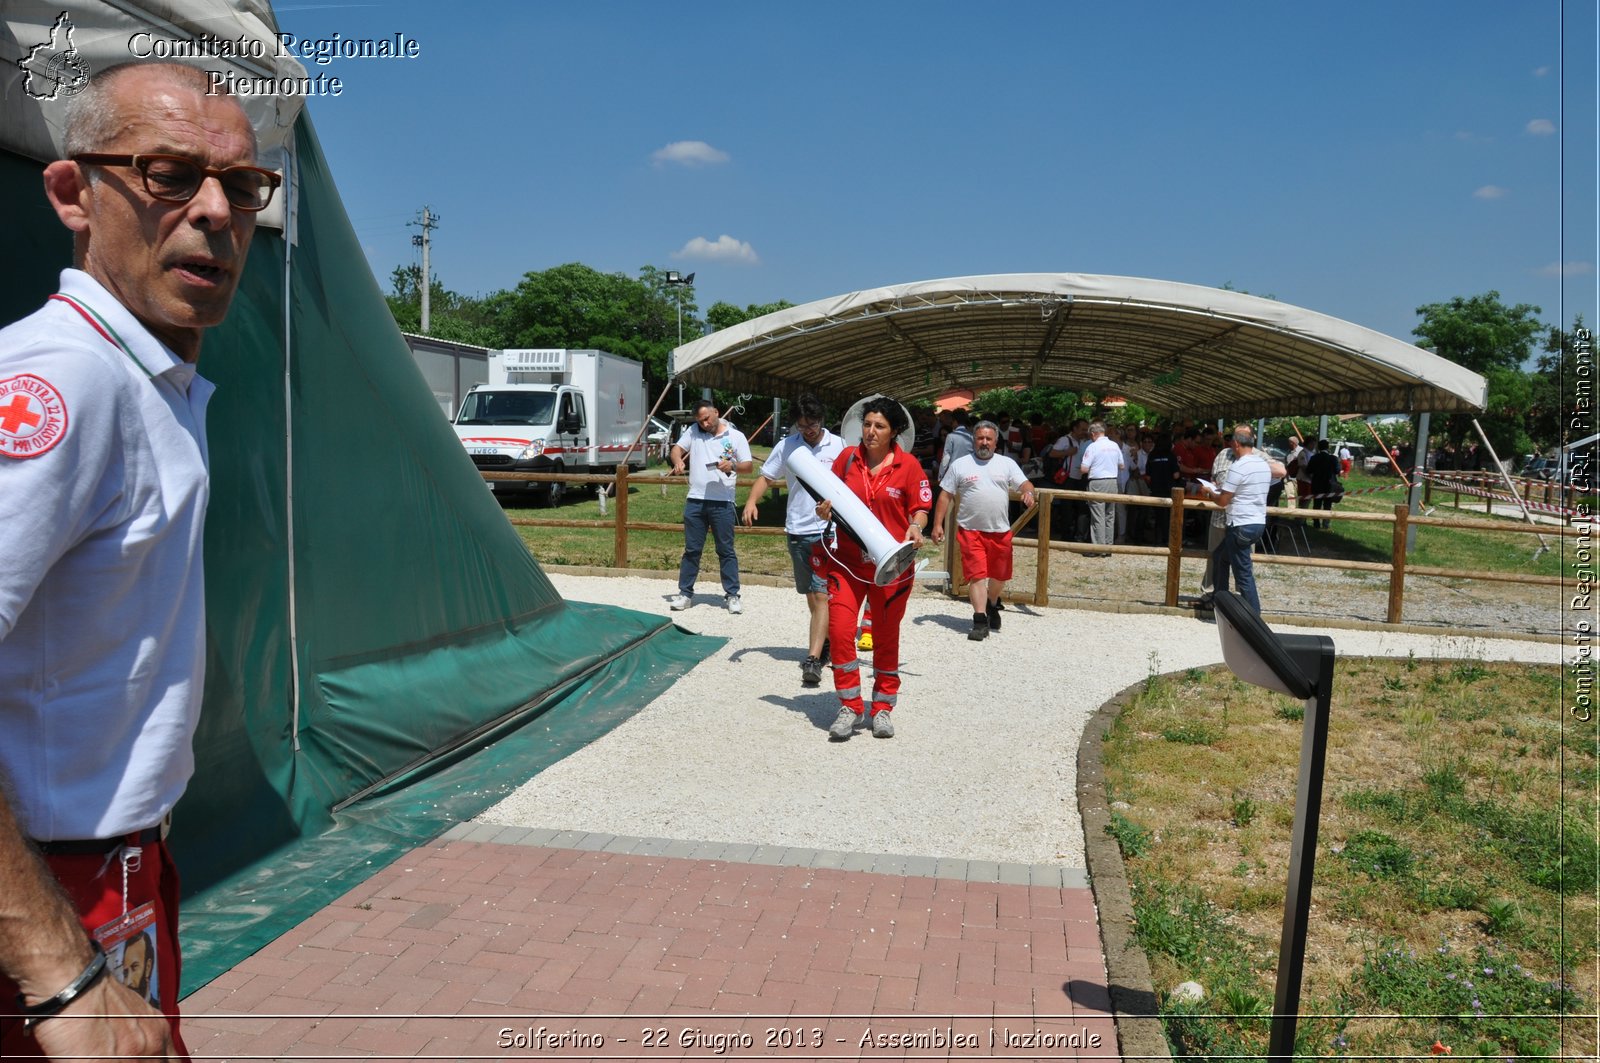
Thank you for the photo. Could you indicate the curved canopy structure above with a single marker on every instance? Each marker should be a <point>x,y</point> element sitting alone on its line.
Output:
<point>1183,349</point>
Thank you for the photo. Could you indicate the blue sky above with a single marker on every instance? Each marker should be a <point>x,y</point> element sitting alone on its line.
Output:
<point>1358,159</point>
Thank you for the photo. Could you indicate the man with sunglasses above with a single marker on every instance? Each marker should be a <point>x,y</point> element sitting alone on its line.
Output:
<point>103,489</point>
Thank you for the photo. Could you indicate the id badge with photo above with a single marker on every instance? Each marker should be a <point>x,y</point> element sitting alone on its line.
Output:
<point>129,942</point>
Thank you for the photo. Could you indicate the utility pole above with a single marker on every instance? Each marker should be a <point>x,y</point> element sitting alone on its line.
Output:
<point>429,222</point>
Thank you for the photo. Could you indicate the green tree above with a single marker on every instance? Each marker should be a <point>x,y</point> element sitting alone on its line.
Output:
<point>1552,407</point>
<point>724,315</point>
<point>1488,337</point>
<point>451,315</point>
<point>576,306</point>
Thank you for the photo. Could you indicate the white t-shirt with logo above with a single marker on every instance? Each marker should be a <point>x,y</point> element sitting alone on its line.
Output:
<point>985,488</point>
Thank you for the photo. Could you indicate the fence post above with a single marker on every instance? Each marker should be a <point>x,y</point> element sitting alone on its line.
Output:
<point>952,553</point>
<point>1174,546</point>
<point>620,551</point>
<point>1041,575</point>
<point>1397,557</point>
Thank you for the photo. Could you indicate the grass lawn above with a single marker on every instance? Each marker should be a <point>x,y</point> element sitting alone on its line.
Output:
<point>1467,551</point>
<point>661,550</point>
<point>1455,890</point>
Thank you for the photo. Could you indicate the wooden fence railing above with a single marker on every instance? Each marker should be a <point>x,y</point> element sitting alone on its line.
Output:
<point>1177,505</point>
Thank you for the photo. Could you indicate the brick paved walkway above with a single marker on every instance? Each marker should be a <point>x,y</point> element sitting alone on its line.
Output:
<point>500,949</point>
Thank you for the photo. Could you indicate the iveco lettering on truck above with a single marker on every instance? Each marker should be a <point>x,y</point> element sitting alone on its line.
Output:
<point>553,411</point>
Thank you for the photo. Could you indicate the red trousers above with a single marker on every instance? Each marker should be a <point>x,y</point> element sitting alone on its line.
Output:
<point>846,590</point>
<point>94,885</point>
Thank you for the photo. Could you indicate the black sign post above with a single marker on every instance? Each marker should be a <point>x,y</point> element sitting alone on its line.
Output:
<point>1299,666</point>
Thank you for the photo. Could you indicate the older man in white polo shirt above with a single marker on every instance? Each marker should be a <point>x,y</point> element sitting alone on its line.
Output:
<point>1099,464</point>
<point>103,476</point>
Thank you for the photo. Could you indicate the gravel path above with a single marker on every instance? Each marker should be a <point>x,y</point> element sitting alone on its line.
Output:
<point>982,768</point>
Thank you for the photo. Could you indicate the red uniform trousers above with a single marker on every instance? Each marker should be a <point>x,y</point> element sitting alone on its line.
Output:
<point>846,589</point>
<point>93,883</point>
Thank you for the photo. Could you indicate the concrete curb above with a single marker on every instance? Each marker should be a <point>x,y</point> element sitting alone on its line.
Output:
<point>1133,996</point>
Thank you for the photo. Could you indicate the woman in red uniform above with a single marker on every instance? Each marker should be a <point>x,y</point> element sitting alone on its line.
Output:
<point>894,487</point>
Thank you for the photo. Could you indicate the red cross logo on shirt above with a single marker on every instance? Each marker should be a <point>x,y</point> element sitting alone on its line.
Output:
<point>33,416</point>
<point>19,415</point>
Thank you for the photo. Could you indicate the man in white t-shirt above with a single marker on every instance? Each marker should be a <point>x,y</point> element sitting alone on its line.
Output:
<point>1099,464</point>
<point>1243,494</point>
<point>801,523</point>
<point>714,453</point>
<point>984,481</point>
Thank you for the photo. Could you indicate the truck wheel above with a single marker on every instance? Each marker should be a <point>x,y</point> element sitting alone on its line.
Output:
<point>554,491</point>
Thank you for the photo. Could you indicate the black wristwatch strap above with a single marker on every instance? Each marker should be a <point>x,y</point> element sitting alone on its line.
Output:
<point>33,1014</point>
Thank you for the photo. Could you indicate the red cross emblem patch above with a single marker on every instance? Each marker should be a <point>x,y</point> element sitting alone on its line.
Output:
<point>33,416</point>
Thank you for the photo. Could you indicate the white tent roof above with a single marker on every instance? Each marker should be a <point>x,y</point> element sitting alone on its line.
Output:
<point>1180,348</point>
<point>104,33</point>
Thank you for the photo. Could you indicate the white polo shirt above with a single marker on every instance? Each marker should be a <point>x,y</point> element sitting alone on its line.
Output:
<point>801,516</point>
<point>1101,458</point>
<point>702,453</point>
<point>103,490</point>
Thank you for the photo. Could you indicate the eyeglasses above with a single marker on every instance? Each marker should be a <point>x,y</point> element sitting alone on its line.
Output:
<point>175,179</point>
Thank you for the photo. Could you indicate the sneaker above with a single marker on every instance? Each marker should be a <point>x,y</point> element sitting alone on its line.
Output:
<point>843,725</point>
<point>735,604</point>
<point>980,627</point>
<point>994,616</point>
<point>679,603</point>
<point>882,726</point>
<point>811,671</point>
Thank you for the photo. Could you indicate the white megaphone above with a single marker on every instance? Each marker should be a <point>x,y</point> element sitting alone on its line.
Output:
<point>890,557</point>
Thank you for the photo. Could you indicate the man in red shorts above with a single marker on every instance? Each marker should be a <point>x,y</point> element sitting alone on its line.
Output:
<point>983,480</point>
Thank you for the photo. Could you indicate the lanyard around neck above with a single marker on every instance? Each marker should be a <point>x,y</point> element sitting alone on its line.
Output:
<point>103,327</point>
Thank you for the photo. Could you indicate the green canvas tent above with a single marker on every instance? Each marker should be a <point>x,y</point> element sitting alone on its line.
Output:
<point>378,636</point>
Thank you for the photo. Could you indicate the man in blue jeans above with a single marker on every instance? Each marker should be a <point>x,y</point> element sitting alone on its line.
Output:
<point>1243,493</point>
<point>713,453</point>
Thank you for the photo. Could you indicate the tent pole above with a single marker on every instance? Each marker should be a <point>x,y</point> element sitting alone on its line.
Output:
<point>1511,488</point>
<point>289,208</point>
<point>1419,461</point>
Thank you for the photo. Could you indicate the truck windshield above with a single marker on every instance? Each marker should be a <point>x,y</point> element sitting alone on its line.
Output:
<point>508,407</point>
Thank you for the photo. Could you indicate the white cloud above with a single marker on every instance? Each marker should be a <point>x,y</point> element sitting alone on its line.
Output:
<point>724,249</point>
<point>1490,192</point>
<point>689,153</point>
<point>1541,127</point>
<point>1540,71</point>
<point>1567,269</point>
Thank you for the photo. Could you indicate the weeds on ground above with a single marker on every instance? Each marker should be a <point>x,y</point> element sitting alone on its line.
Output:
<point>1456,868</point>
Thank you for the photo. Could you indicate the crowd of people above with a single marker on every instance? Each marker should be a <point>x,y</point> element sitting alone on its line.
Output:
<point>976,468</point>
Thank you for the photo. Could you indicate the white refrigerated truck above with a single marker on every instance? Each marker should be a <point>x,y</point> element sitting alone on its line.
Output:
<point>553,410</point>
